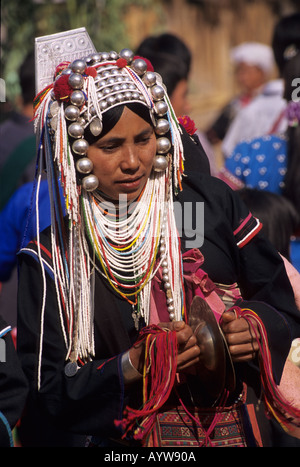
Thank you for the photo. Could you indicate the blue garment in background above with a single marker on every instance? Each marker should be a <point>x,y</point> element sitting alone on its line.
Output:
<point>260,163</point>
<point>18,223</point>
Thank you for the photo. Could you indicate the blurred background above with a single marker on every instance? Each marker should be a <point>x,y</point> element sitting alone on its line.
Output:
<point>210,28</point>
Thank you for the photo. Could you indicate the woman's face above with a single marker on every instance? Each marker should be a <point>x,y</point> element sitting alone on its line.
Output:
<point>123,158</point>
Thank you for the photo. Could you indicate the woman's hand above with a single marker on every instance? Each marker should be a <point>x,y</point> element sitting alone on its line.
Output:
<point>188,350</point>
<point>240,337</point>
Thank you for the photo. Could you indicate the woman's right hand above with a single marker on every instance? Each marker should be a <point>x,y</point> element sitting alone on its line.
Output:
<point>188,350</point>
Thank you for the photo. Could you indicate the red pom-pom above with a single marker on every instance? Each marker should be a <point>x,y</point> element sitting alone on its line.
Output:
<point>91,71</point>
<point>149,64</point>
<point>188,124</point>
<point>62,89</point>
<point>121,62</point>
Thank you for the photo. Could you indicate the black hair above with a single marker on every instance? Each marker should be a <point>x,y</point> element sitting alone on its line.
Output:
<point>169,56</point>
<point>277,214</point>
<point>113,115</point>
<point>286,34</point>
<point>292,178</point>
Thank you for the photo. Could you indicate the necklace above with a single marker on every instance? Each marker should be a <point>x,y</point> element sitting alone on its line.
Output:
<point>133,241</point>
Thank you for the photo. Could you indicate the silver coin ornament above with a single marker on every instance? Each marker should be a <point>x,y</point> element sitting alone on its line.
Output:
<point>96,127</point>
<point>71,369</point>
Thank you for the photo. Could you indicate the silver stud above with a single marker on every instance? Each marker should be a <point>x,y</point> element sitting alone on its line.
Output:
<point>84,165</point>
<point>113,55</point>
<point>105,56</point>
<point>90,183</point>
<point>80,147</point>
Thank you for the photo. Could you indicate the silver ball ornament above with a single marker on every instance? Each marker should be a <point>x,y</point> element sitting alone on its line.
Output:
<point>161,108</point>
<point>90,183</point>
<point>72,112</point>
<point>149,78</point>
<point>157,92</point>
<point>139,66</point>
<point>80,147</point>
<point>78,66</point>
<point>162,126</point>
<point>84,165</point>
<point>77,98</point>
<point>75,130</point>
<point>76,81</point>
<point>160,163</point>
<point>127,54</point>
<point>163,145</point>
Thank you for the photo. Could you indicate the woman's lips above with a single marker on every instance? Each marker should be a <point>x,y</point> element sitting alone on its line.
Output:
<point>130,183</point>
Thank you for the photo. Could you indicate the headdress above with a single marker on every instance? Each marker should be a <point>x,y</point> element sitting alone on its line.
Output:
<point>67,107</point>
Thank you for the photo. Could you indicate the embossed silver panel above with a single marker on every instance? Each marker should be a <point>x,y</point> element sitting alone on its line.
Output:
<point>55,48</point>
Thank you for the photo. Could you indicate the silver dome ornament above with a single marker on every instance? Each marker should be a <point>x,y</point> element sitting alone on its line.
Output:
<point>105,56</point>
<point>113,55</point>
<point>160,163</point>
<point>163,145</point>
<point>162,126</point>
<point>127,54</point>
<point>139,66</point>
<point>72,112</point>
<point>84,165</point>
<point>75,130</point>
<point>90,183</point>
<point>96,127</point>
<point>161,108</point>
<point>80,147</point>
<point>78,66</point>
<point>77,98</point>
<point>76,81</point>
<point>157,92</point>
<point>149,78</point>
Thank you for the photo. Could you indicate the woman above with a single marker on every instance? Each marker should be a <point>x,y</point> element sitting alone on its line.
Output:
<point>120,271</point>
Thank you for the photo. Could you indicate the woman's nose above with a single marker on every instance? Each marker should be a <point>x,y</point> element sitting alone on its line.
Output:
<point>130,160</point>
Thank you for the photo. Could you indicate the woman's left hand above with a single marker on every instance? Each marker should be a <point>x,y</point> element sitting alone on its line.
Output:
<point>241,339</point>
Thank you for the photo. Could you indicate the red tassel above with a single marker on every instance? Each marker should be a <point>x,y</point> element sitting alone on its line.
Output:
<point>276,404</point>
<point>159,378</point>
